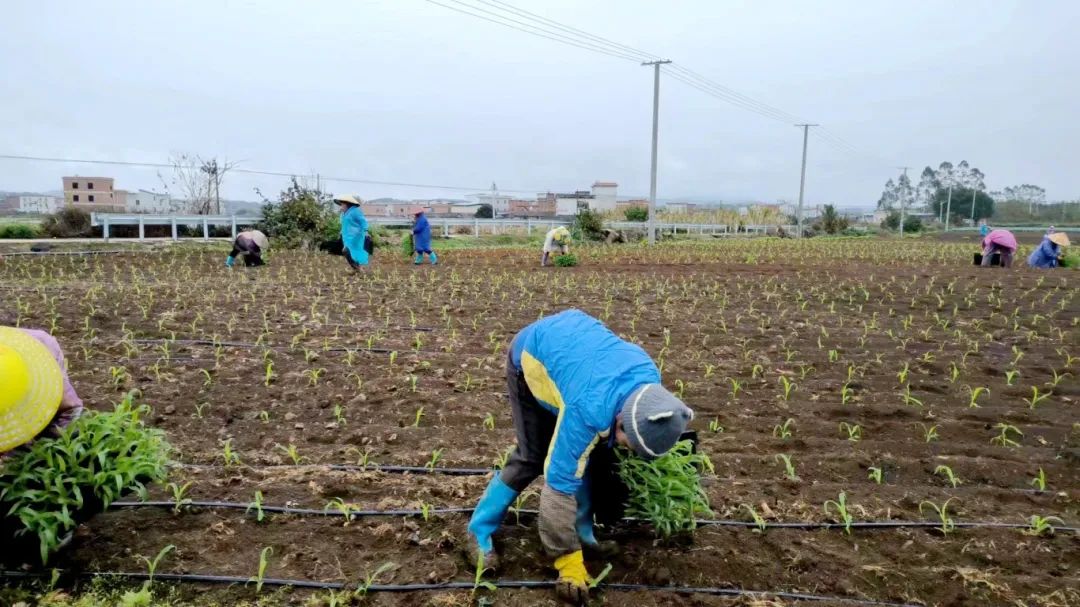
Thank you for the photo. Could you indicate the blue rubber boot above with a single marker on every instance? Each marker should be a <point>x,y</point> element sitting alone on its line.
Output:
<point>486,519</point>
<point>434,258</point>
<point>584,525</point>
<point>419,259</point>
<point>229,261</point>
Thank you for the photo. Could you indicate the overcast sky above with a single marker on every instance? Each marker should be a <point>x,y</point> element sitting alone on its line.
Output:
<point>407,91</point>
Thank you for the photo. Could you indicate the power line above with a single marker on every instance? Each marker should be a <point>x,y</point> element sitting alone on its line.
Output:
<point>161,165</point>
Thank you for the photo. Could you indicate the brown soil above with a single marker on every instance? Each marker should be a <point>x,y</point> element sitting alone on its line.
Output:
<point>751,312</point>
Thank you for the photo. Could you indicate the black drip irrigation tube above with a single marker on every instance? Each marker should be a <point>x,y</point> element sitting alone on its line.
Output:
<point>69,253</point>
<point>198,578</point>
<point>351,514</point>
<point>234,344</point>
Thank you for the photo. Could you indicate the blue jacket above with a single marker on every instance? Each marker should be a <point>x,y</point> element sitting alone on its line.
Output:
<point>581,372</point>
<point>421,234</point>
<point>353,230</point>
<point>1045,255</point>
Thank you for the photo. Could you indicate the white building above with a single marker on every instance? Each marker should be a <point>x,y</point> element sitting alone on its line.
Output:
<point>604,196</point>
<point>39,205</point>
<point>500,203</point>
<point>570,204</point>
<point>145,201</point>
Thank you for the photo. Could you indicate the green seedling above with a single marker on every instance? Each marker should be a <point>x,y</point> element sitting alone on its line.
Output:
<point>291,452</point>
<point>854,432</point>
<point>910,400</point>
<point>339,415</point>
<point>903,374</point>
<point>519,504</point>
<point>478,576</point>
<point>846,394</point>
<point>1017,355</point>
<point>200,408</point>
<point>947,473</point>
<point>736,386</point>
<point>680,388</point>
<point>974,393</point>
<point>345,509</point>
<point>503,457</point>
<point>264,416</point>
<point>942,511</point>
<point>709,370</point>
<point>788,386</point>
<point>930,433</point>
<point>1057,378</point>
<point>789,467</point>
<point>1003,439</point>
<point>758,521</point>
<point>152,564</point>
<point>489,421</point>
<point>1010,375</point>
<point>230,457</point>
<point>178,492</point>
<point>413,380</point>
<point>120,376</point>
<point>784,431</point>
<point>757,372</point>
<point>425,511</point>
<point>269,376</point>
<point>954,372</point>
<point>876,474</point>
<point>840,506</point>
<point>714,425</point>
<point>1042,525</point>
<point>594,582</point>
<point>369,580</point>
<point>1039,481</point>
<point>436,455</point>
<point>666,491</point>
<point>1036,398</point>
<point>257,506</point>
<point>417,417</point>
<point>260,575</point>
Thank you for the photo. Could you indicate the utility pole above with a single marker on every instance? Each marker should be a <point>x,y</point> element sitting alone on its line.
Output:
<point>802,177</point>
<point>494,198</point>
<point>655,130</point>
<point>948,208</point>
<point>903,201</point>
<point>973,193</point>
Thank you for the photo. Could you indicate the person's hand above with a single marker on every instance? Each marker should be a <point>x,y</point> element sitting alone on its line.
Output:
<point>573,584</point>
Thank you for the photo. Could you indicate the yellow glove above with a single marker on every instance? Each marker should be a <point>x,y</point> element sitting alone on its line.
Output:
<point>573,584</point>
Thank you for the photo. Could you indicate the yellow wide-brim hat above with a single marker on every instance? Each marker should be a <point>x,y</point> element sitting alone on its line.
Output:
<point>31,387</point>
<point>1059,238</point>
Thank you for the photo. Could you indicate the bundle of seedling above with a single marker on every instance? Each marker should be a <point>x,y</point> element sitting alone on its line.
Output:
<point>667,491</point>
<point>566,261</point>
<point>49,488</point>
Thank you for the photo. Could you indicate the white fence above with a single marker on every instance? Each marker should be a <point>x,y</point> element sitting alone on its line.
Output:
<point>445,224</point>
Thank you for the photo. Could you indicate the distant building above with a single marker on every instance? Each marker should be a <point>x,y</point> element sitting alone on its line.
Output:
<point>92,194</point>
<point>145,201</point>
<point>391,209</point>
<point>32,204</point>
<point>500,203</point>
<point>680,207</point>
<point>639,203</point>
<point>541,207</point>
<point>604,196</point>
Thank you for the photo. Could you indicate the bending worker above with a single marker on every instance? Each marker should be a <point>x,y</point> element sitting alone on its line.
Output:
<point>574,385</point>
<point>36,397</point>
<point>251,244</point>
<point>1002,242</point>
<point>558,239</point>
<point>421,232</point>
<point>1048,253</point>
<point>354,234</point>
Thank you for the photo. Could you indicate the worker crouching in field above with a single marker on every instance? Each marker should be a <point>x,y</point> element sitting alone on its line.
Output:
<point>557,240</point>
<point>1002,242</point>
<point>354,236</point>
<point>250,245</point>
<point>421,232</point>
<point>36,397</point>
<point>574,387</point>
<point>1049,252</point>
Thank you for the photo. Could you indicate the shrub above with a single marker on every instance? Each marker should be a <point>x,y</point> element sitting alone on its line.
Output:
<point>94,461</point>
<point>69,222</point>
<point>832,222</point>
<point>637,214</point>
<point>911,224</point>
<point>566,261</point>
<point>666,491</point>
<point>485,211</point>
<point>301,218</point>
<point>19,230</point>
<point>588,225</point>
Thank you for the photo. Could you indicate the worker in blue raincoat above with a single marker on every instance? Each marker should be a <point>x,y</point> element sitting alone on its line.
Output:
<point>421,232</point>
<point>1048,253</point>
<point>574,387</point>
<point>354,234</point>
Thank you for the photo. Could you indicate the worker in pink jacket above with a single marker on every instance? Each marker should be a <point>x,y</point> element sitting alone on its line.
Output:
<point>36,398</point>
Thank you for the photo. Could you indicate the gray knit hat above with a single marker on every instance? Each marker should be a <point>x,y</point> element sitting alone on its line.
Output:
<point>654,419</point>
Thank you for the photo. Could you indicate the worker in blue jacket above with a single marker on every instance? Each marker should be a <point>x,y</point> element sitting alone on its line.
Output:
<point>422,239</point>
<point>574,385</point>
<point>1048,253</point>
<point>354,228</point>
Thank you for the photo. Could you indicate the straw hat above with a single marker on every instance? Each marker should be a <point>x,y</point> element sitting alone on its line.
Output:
<point>1059,238</point>
<point>31,386</point>
<point>347,199</point>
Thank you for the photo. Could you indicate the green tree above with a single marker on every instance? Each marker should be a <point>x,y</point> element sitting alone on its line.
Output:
<point>832,222</point>
<point>911,224</point>
<point>485,211</point>
<point>589,225</point>
<point>960,207</point>
<point>637,214</point>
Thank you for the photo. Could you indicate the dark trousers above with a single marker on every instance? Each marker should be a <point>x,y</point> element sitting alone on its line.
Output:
<point>252,252</point>
<point>534,426</point>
